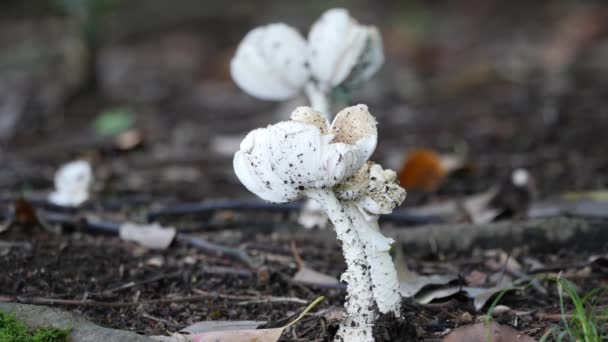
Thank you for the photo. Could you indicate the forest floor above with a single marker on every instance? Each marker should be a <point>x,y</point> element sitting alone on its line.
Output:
<point>493,102</point>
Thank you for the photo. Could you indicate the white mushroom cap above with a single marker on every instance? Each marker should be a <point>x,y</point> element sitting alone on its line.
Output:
<point>72,183</point>
<point>270,62</point>
<point>373,189</point>
<point>280,162</point>
<point>340,49</point>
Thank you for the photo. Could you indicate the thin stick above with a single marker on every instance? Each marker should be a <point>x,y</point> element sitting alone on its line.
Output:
<point>296,255</point>
<point>215,249</point>
<point>253,299</point>
<point>201,296</point>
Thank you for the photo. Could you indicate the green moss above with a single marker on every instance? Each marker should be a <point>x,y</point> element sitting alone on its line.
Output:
<point>11,330</point>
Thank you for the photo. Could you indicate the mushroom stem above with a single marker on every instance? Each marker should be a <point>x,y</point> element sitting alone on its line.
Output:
<point>382,270</point>
<point>360,307</point>
<point>318,99</point>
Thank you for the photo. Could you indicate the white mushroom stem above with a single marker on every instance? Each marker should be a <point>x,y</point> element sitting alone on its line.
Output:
<point>319,100</point>
<point>382,270</point>
<point>360,307</point>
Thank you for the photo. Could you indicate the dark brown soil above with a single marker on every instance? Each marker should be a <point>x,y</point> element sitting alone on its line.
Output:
<point>431,93</point>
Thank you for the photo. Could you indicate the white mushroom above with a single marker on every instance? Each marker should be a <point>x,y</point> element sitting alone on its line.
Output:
<point>341,49</point>
<point>279,162</point>
<point>274,62</point>
<point>305,157</point>
<point>270,62</point>
<point>72,183</point>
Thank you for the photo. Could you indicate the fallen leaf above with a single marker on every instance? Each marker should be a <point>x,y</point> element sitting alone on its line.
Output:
<point>25,214</point>
<point>207,326</point>
<point>411,287</point>
<point>307,275</point>
<point>476,278</point>
<point>422,170</point>
<point>129,139</point>
<point>410,283</point>
<point>478,207</point>
<point>475,208</point>
<point>480,332</point>
<point>428,296</point>
<point>148,235</point>
<point>255,335</point>
<point>481,295</point>
<point>236,334</point>
<point>499,310</point>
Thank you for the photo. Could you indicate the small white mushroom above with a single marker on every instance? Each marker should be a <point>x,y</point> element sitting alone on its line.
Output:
<point>274,62</point>
<point>72,183</point>
<point>343,50</point>
<point>270,62</point>
<point>305,157</point>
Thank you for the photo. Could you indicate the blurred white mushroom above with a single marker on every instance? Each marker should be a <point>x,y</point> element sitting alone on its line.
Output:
<point>72,183</point>
<point>305,157</point>
<point>270,62</point>
<point>343,50</point>
<point>274,62</point>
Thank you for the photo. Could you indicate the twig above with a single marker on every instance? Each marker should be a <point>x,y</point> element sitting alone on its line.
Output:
<point>206,208</point>
<point>253,299</point>
<point>138,283</point>
<point>98,226</point>
<point>158,320</point>
<point>296,255</point>
<point>215,249</point>
<point>201,296</point>
<point>88,302</point>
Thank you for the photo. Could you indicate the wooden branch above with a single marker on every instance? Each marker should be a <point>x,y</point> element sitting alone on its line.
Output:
<point>543,235</point>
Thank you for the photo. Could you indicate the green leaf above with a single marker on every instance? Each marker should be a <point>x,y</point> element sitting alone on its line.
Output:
<point>114,121</point>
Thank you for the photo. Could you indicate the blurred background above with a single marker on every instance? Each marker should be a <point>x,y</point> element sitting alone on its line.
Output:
<point>141,88</point>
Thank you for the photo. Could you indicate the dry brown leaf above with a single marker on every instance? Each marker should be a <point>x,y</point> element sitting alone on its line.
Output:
<point>422,170</point>
<point>309,276</point>
<point>479,333</point>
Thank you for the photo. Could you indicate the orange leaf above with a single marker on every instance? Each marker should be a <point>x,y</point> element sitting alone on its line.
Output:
<point>422,170</point>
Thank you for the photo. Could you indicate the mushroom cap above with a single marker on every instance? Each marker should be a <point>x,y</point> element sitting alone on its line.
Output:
<point>271,62</point>
<point>280,162</point>
<point>340,49</point>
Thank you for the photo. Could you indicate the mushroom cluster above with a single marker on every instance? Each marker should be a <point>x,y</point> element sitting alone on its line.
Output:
<point>274,62</point>
<point>308,157</point>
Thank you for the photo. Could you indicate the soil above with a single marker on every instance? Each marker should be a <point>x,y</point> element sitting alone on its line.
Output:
<point>485,96</point>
